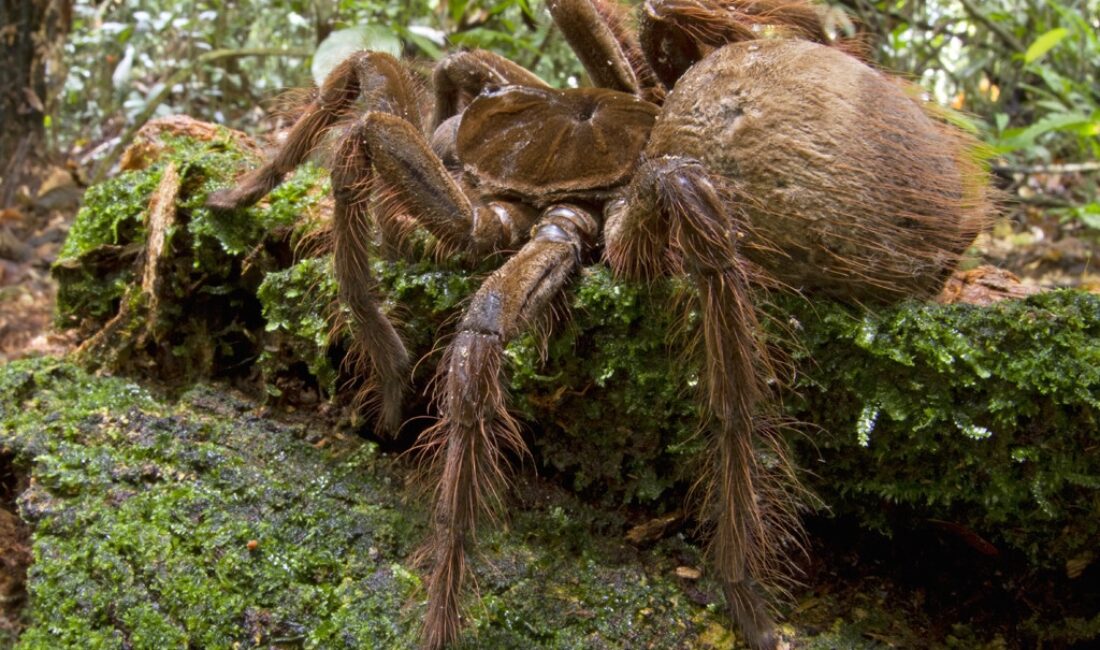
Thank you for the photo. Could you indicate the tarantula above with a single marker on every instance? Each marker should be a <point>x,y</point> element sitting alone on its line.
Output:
<point>730,141</point>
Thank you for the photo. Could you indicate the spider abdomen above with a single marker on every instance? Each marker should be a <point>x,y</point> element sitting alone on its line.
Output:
<point>846,183</point>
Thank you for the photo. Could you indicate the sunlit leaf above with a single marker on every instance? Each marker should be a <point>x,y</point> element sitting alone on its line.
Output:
<point>1021,138</point>
<point>423,42</point>
<point>1045,43</point>
<point>1089,214</point>
<point>121,76</point>
<point>342,43</point>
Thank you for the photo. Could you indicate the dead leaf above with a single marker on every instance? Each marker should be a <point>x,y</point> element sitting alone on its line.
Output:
<point>688,573</point>
<point>654,529</point>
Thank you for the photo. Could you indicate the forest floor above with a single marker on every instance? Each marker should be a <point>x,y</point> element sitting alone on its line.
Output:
<point>1029,240</point>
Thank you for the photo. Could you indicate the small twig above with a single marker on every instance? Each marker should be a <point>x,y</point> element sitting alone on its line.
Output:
<point>1063,168</point>
<point>974,12</point>
<point>178,77</point>
<point>1042,201</point>
<point>541,51</point>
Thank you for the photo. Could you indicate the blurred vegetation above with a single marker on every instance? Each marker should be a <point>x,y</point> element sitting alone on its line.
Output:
<point>1025,69</point>
<point>122,62</point>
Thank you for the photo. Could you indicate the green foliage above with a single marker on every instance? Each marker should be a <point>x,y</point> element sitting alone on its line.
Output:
<point>212,167</point>
<point>120,56</point>
<point>1025,67</point>
<point>1026,70</point>
<point>113,213</point>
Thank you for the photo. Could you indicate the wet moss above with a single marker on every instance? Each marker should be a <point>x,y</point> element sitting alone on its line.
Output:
<point>197,523</point>
<point>206,310</point>
<point>1001,400</point>
<point>93,265</point>
<point>297,304</point>
<point>619,387</point>
<point>113,212</point>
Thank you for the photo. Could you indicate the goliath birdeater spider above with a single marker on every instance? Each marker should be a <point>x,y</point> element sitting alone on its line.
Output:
<point>732,142</point>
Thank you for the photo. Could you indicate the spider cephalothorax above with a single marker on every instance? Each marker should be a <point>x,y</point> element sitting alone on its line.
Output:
<point>730,142</point>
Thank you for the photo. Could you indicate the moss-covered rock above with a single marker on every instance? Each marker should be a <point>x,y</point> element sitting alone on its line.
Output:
<point>198,315</point>
<point>197,523</point>
<point>978,418</point>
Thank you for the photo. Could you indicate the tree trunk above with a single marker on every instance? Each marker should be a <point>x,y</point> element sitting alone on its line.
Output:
<point>29,30</point>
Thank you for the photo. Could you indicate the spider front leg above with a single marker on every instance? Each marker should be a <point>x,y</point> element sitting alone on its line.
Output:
<point>475,434</point>
<point>674,219</point>
<point>468,73</point>
<point>379,77</point>
<point>385,155</point>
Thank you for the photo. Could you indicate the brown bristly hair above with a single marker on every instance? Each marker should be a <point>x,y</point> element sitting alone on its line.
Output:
<point>469,451</point>
<point>749,493</point>
<point>715,23</point>
<point>620,20</point>
<point>376,349</point>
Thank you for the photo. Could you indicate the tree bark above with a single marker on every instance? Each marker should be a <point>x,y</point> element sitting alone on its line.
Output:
<point>29,30</point>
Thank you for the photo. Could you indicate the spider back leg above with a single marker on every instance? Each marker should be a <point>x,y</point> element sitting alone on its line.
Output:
<point>750,490</point>
<point>465,74</point>
<point>471,441</point>
<point>384,155</point>
<point>675,34</point>
<point>599,34</point>
<point>376,350</point>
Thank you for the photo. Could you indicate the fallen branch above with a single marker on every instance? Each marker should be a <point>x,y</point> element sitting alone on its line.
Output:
<point>1063,168</point>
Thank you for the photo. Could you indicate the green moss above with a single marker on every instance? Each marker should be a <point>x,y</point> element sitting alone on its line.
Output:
<point>206,305</point>
<point>616,389</point>
<point>223,237</point>
<point>92,277</point>
<point>161,525</point>
<point>296,307</point>
<point>113,213</point>
<point>1002,400</point>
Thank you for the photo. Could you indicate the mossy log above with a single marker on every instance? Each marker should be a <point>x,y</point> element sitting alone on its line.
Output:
<point>198,524</point>
<point>979,420</point>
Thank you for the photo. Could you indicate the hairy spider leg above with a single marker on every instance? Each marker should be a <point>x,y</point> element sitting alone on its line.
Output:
<point>675,34</point>
<point>750,505</point>
<point>598,32</point>
<point>376,350</point>
<point>463,75</point>
<point>378,77</point>
<point>384,177</point>
<point>475,434</point>
<point>387,88</point>
<point>385,155</point>
<point>412,177</point>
